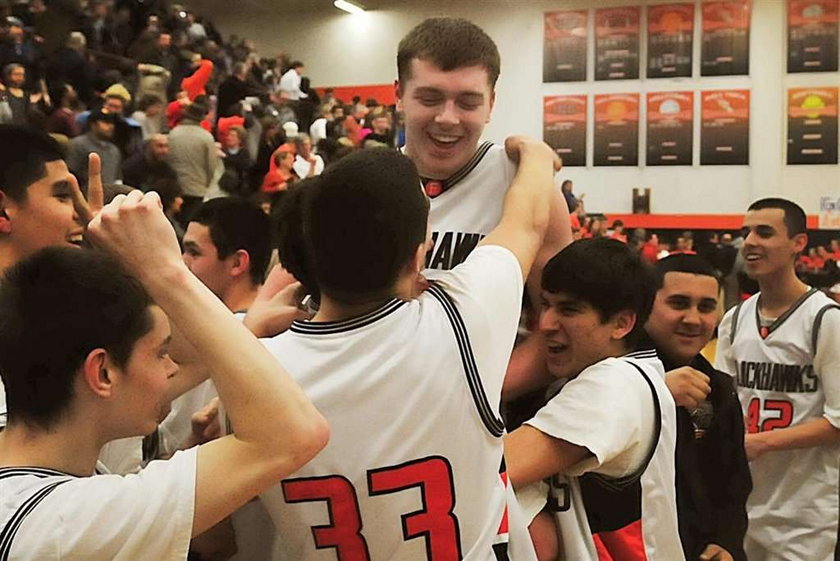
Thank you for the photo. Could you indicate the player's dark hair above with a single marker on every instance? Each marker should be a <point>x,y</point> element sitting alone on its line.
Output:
<point>236,224</point>
<point>607,275</point>
<point>23,158</point>
<point>795,220</point>
<point>291,247</point>
<point>57,306</point>
<point>359,225</point>
<point>686,263</point>
<point>448,43</point>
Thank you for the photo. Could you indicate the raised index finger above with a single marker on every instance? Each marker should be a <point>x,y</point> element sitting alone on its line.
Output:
<point>96,192</point>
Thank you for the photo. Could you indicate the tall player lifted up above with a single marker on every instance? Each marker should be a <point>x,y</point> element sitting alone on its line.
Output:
<point>447,72</point>
<point>783,348</point>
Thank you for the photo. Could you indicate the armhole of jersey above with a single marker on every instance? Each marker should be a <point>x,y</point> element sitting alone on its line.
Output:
<point>735,322</point>
<point>9,531</point>
<point>492,423</point>
<point>657,422</point>
<point>815,332</point>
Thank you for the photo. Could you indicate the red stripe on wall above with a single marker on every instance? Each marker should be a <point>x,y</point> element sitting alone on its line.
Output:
<point>383,93</point>
<point>689,221</point>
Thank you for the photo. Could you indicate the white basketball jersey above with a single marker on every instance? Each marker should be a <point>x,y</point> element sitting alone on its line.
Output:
<point>411,392</point>
<point>779,387</point>
<point>469,207</point>
<point>621,503</point>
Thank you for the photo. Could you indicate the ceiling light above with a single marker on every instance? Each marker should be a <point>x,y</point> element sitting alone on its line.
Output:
<point>348,7</point>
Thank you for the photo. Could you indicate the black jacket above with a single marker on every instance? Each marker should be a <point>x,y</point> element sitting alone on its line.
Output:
<point>713,475</point>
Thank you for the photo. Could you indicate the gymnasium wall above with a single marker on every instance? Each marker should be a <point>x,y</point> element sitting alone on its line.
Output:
<point>341,49</point>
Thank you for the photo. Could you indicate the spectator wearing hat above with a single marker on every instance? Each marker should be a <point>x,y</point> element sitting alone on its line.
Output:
<point>193,155</point>
<point>98,139</point>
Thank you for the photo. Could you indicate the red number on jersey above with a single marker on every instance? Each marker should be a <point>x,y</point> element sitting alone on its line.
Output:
<point>782,407</point>
<point>345,532</point>
<point>437,522</point>
<point>785,418</point>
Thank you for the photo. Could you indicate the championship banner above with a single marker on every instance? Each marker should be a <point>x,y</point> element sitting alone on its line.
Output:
<point>725,129</point>
<point>812,126</point>
<point>670,39</point>
<point>564,46</point>
<point>812,35</point>
<point>564,127</point>
<point>670,117</point>
<point>616,130</point>
<point>726,38</point>
<point>617,43</point>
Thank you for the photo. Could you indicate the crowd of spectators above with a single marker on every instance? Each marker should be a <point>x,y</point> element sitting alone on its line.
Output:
<point>169,104</point>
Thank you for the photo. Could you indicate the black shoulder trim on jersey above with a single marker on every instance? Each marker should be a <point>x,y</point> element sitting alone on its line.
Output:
<point>735,322</point>
<point>8,532</point>
<point>459,175</point>
<point>331,327</point>
<point>643,354</point>
<point>617,483</point>
<point>493,424</point>
<point>815,332</point>
<point>36,471</point>
<point>781,319</point>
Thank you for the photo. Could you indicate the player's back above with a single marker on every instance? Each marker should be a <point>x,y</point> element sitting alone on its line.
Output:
<point>411,392</point>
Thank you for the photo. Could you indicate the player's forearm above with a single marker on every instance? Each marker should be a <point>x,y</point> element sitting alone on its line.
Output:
<point>265,405</point>
<point>810,434</point>
<point>527,201</point>
<point>526,370</point>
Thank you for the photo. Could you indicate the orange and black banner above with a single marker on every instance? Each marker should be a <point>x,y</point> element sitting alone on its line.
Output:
<point>812,126</point>
<point>616,130</point>
<point>725,130</point>
<point>726,38</point>
<point>670,116</point>
<point>564,127</point>
<point>617,43</point>
<point>564,46</point>
<point>670,36</point>
<point>812,35</point>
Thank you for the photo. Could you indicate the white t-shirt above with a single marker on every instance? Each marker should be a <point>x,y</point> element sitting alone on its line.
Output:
<point>301,166</point>
<point>609,410</point>
<point>411,391</point>
<point>47,515</point>
<point>782,381</point>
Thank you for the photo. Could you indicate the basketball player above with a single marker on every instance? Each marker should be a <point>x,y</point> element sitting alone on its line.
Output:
<point>41,204</point>
<point>713,477</point>
<point>783,348</point>
<point>606,440</point>
<point>447,72</point>
<point>83,354</point>
<point>411,386</point>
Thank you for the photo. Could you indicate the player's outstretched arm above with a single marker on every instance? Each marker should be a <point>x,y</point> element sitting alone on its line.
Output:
<point>526,211</point>
<point>277,427</point>
<point>531,456</point>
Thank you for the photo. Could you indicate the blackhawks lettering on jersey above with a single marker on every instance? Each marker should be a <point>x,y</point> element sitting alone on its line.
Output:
<point>469,206</point>
<point>777,377</point>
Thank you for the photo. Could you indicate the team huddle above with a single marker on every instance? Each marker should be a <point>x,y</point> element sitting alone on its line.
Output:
<point>376,423</point>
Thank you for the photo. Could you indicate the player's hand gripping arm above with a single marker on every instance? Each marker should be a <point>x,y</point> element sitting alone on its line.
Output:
<point>526,211</point>
<point>277,427</point>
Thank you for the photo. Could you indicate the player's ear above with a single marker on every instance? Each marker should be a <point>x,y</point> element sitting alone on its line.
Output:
<point>492,103</point>
<point>800,242</point>
<point>623,323</point>
<point>5,221</point>
<point>418,263</point>
<point>398,94</point>
<point>98,373</point>
<point>240,263</point>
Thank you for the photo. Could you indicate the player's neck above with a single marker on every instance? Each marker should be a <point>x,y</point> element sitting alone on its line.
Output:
<point>239,297</point>
<point>330,310</point>
<point>779,292</point>
<point>72,447</point>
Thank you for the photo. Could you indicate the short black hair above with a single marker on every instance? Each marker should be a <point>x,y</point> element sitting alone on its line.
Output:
<point>57,306</point>
<point>607,275</point>
<point>449,43</point>
<point>351,230</point>
<point>23,158</point>
<point>795,219</point>
<point>686,263</point>
<point>236,224</point>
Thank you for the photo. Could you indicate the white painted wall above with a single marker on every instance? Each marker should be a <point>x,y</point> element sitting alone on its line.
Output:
<point>340,49</point>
